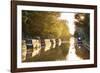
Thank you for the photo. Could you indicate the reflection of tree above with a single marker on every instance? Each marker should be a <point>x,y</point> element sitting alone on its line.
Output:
<point>82,23</point>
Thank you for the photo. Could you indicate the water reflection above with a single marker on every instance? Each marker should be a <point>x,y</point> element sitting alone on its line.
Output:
<point>44,50</point>
<point>72,51</point>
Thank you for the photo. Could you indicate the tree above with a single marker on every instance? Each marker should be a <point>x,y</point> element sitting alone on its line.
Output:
<point>83,26</point>
<point>44,24</point>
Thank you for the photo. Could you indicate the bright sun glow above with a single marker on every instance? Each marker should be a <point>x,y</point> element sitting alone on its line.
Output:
<point>69,17</point>
<point>82,17</point>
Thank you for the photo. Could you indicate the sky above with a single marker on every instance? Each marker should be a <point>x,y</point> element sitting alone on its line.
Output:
<point>69,17</point>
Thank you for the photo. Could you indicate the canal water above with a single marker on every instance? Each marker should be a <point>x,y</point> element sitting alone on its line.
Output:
<point>72,51</point>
